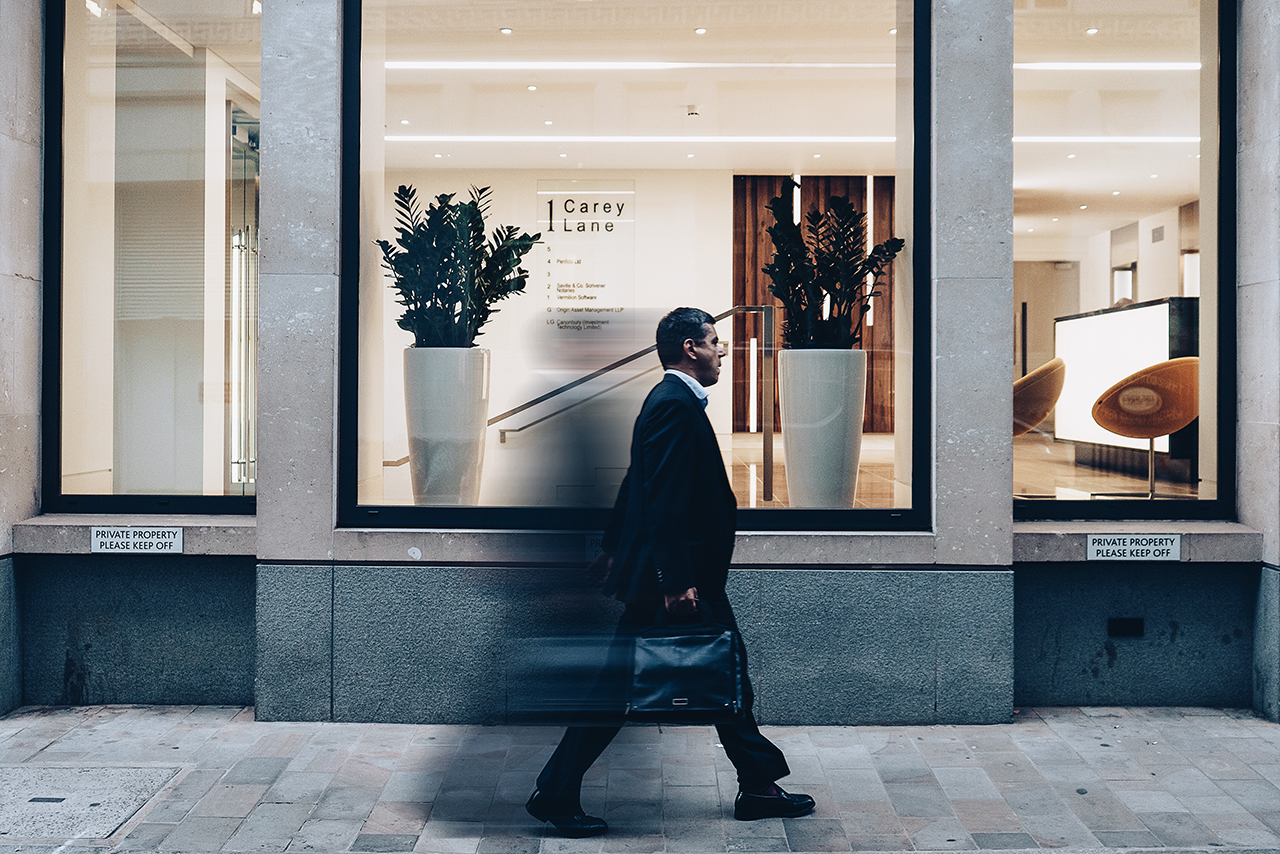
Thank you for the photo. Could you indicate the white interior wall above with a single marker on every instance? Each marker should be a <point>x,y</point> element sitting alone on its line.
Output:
<point>1051,289</point>
<point>1095,273</point>
<point>683,256</point>
<point>160,386</point>
<point>88,259</point>
<point>376,318</point>
<point>1159,265</point>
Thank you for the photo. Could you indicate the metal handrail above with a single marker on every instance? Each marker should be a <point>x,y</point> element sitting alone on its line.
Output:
<point>767,389</point>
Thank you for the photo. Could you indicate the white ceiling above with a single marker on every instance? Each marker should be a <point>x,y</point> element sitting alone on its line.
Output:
<point>779,116</point>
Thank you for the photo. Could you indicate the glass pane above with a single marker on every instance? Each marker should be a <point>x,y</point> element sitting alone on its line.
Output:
<point>643,145</point>
<point>1115,185</point>
<point>160,244</point>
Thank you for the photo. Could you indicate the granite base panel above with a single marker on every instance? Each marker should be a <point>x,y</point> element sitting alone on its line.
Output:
<point>10,647</point>
<point>1266,645</point>
<point>415,644</point>
<point>1196,647</point>
<point>136,629</point>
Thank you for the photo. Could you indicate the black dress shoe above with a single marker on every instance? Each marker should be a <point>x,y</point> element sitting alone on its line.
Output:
<point>749,807</point>
<point>568,818</point>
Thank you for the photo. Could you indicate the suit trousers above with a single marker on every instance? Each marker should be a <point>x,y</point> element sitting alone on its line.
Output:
<point>758,761</point>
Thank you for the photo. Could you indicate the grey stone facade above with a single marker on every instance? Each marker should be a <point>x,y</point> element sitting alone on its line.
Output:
<point>955,624</point>
<point>435,644</point>
<point>119,629</point>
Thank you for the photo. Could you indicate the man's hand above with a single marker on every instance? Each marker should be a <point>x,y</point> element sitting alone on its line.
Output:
<point>598,569</point>
<point>682,603</point>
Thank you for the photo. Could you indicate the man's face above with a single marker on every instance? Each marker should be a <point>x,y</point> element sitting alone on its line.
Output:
<point>706,355</point>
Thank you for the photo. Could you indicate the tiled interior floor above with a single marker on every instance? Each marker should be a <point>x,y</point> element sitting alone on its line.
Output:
<point>744,453</point>
<point>1042,466</point>
<point>1066,778</point>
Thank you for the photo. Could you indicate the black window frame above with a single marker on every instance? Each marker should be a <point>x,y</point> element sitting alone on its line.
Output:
<point>1223,506</point>
<point>52,498</point>
<point>352,514</point>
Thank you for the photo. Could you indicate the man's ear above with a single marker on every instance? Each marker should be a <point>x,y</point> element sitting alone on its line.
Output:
<point>690,348</point>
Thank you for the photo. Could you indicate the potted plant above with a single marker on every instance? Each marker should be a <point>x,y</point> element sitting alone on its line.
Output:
<point>825,278</point>
<point>448,278</point>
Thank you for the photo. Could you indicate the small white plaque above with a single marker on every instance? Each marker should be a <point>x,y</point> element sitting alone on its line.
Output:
<point>134,539</point>
<point>1141,547</point>
<point>593,546</point>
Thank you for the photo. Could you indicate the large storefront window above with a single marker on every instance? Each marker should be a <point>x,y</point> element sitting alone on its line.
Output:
<point>648,147</point>
<point>159,244</point>
<point>1116,320</point>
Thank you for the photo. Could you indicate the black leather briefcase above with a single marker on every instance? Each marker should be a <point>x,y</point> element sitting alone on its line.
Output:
<point>686,673</point>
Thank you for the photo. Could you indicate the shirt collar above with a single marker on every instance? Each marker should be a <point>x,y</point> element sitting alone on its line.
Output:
<point>694,386</point>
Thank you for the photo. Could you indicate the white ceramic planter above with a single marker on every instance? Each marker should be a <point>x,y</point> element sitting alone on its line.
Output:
<point>446,401</point>
<point>823,397</point>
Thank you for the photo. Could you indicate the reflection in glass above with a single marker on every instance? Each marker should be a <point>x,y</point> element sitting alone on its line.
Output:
<point>1115,182</point>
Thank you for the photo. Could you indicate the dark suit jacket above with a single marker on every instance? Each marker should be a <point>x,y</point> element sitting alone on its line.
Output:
<point>673,525</point>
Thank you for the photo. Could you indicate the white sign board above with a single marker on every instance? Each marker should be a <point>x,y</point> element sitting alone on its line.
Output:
<point>132,539</point>
<point>1100,350</point>
<point>584,273</point>
<point>1140,547</point>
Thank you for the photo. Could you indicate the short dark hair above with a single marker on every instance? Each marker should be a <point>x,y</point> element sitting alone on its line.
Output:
<point>677,327</point>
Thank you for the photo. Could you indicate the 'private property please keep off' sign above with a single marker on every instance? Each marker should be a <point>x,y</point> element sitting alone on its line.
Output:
<point>133,539</point>
<point>1135,547</point>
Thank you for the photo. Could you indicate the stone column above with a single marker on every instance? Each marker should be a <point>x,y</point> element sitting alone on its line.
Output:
<point>21,186</point>
<point>1258,318</point>
<point>973,280</point>
<point>298,354</point>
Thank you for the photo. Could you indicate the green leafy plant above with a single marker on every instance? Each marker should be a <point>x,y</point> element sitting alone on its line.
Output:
<point>447,276</point>
<point>827,281</point>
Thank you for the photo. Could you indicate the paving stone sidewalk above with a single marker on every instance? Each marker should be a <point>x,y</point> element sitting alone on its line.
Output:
<point>1078,779</point>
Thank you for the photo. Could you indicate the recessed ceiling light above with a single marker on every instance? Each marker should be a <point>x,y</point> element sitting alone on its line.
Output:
<point>1154,175</point>
<point>688,155</point>
<point>702,31</point>
<point>257,7</point>
<point>1092,31</point>
<point>564,155</point>
<point>547,122</point>
<point>1030,229</point>
<point>1197,157</point>
<point>893,32</point>
<point>816,156</point>
<point>506,31</point>
<point>439,155</point>
<point>94,8</point>
<point>1115,192</point>
<point>1055,219</point>
<point>404,121</point>
<point>532,88</point>
<point>1084,207</point>
<point>1071,157</point>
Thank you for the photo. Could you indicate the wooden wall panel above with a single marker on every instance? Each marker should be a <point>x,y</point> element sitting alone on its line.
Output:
<point>877,339</point>
<point>752,249</point>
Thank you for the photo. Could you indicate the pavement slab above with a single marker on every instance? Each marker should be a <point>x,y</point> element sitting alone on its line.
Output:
<point>211,779</point>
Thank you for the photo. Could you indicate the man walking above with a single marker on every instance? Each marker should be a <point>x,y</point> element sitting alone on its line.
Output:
<point>668,544</point>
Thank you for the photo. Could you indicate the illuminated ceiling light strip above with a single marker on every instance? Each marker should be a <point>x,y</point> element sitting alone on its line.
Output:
<point>1104,139</point>
<point>592,65</point>
<point>1106,66</point>
<point>667,139</point>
